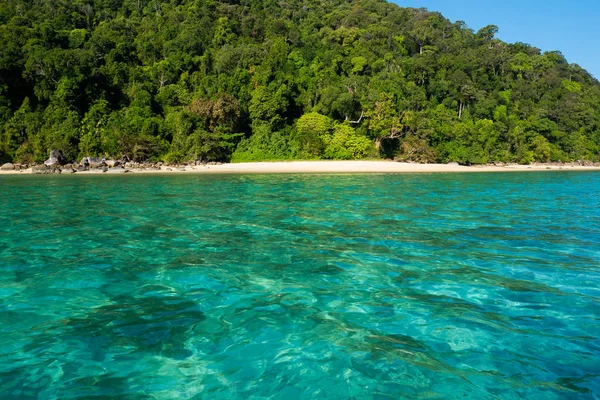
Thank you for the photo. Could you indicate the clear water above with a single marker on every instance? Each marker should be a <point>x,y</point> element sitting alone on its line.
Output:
<point>301,286</point>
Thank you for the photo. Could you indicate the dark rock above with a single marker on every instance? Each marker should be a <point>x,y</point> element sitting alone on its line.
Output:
<point>7,167</point>
<point>328,269</point>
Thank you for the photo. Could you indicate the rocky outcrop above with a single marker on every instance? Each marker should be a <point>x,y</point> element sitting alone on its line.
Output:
<point>41,169</point>
<point>56,158</point>
<point>7,167</point>
<point>68,169</point>
<point>93,162</point>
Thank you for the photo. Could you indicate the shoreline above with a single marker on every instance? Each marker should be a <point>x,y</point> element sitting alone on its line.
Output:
<point>311,167</point>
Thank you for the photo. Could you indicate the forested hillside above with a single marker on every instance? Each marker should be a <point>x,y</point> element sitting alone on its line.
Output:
<point>292,79</point>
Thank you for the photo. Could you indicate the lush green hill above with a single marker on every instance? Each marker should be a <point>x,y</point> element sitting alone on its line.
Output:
<point>254,80</point>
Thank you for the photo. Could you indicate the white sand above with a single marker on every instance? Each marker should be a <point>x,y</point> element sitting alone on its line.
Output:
<point>335,167</point>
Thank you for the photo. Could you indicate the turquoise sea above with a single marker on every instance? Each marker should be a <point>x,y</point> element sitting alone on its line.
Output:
<point>478,286</point>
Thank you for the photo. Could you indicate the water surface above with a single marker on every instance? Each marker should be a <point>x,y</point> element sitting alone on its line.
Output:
<point>438,286</point>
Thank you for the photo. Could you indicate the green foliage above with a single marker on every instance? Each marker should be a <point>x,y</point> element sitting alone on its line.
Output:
<point>312,131</point>
<point>261,80</point>
<point>346,144</point>
<point>264,145</point>
<point>571,86</point>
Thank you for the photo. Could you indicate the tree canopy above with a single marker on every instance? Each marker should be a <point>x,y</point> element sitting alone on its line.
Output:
<point>248,80</point>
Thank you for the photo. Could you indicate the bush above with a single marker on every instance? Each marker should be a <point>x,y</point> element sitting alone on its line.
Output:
<point>265,145</point>
<point>346,144</point>
<point>312,131</point>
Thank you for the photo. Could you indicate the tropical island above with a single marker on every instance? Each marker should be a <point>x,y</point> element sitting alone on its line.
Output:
<point>322,257</point>
<point>180,81</point>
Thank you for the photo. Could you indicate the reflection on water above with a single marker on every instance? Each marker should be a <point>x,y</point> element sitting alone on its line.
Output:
<point>331,286</point>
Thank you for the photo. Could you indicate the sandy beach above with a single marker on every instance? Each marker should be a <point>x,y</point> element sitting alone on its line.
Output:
<point>303,167</point>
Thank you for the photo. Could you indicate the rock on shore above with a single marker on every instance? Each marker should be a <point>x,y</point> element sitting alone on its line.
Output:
<point>56,158</point>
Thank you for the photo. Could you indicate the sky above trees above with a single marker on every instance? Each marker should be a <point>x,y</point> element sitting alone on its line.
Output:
<point>568,26</point>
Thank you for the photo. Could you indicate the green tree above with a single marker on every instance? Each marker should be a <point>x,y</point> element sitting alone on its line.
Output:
<point>312,130</point>
<point>384,121</point>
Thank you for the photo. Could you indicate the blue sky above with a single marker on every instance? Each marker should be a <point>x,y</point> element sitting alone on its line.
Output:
<point>570,26</point>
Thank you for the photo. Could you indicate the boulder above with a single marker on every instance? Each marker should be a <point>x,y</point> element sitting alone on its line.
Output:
<point>453,164</point>
<point>93,162</point>
<point>68,169</point>
<point>112,163</point>
<point>7,167</point>
<point>56,158</point>
<point>40,169</point>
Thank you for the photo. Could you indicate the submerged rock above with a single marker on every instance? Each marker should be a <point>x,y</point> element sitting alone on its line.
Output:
<point>7,167</point>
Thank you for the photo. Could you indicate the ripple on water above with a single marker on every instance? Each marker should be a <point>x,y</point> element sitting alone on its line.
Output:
<point>330,286</point>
